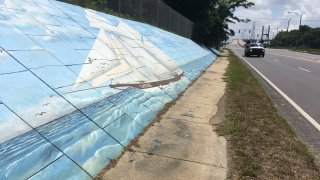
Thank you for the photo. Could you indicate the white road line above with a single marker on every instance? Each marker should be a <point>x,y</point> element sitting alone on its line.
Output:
<point>276,60</point>
<point>300,58</point>
<point>304,69</point>
<point>295,105</point>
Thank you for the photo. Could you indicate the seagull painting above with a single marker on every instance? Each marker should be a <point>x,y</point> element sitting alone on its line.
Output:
<point>90,60</point>
<point>40,114</point>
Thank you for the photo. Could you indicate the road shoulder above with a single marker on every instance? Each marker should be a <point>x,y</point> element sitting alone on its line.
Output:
<point>263,146</point>
<point>303,129</point>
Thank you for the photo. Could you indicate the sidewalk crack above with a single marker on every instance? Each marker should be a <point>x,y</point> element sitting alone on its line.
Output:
<point>180,159</point>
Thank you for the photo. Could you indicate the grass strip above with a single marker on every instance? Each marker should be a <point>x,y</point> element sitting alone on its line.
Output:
<point>262,144</point>
<point>300,49</point>
<point>305,50</point>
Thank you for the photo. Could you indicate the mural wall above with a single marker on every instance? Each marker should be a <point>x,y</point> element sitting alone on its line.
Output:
<point>76,86</point>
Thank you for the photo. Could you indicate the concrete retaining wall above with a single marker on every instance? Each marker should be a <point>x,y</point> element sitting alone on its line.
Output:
<point>76,86</point>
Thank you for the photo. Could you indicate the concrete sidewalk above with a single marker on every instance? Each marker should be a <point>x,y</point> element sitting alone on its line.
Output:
<point>183,145</point>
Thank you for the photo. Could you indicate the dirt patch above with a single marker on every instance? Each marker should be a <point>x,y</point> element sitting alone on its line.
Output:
<point>221,113</point>
<point>261,144</point>
<point>216,122</point>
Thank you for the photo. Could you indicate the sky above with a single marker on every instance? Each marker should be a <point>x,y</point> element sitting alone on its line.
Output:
<point>275,13</point>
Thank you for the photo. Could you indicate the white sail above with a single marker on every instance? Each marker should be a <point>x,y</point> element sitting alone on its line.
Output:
<point>130,58</point>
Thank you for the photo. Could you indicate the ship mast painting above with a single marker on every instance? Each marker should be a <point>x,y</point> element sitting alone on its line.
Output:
<point>132,60</point>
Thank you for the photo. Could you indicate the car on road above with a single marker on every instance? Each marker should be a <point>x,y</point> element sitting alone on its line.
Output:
<point>254,49</point>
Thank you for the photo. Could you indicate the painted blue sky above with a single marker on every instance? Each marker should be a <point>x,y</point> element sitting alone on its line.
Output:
<point>275,13</point>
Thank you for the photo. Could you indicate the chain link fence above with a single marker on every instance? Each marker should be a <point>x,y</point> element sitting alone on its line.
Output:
<point>153,12</point>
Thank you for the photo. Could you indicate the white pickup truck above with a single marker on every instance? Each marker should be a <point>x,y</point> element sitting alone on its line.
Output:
<point>254,49</point>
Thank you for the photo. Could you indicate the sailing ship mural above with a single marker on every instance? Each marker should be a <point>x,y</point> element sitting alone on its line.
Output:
<point>77,85</point>
<point>130,55</point>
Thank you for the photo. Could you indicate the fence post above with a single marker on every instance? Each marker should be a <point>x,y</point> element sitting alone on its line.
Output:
<point>119,10</point>
<point>179,23</point>
<point>169,18</point>
<point>141,8</point>
<point>158,4</point>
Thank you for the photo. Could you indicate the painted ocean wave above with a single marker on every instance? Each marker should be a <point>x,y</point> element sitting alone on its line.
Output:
<point>195,68</point>
<point>85,144</point>
<point>24,155</point>
<point>79,138</point>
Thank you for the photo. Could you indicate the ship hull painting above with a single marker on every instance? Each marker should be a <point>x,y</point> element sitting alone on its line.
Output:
<point>177,77</point>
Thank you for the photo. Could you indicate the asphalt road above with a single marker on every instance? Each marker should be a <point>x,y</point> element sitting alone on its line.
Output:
<point>296,74</point>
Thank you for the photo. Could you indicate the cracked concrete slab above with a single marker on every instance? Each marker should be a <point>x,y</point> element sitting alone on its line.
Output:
<point>202,88</point>
<point>183,144</point>
<point>190,111</point>
<point>148,167</point>
<point>184,140</point>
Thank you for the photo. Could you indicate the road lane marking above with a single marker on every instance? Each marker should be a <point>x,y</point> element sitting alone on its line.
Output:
<point>295,105</point>
<point>304,69</point>
<point>288,53</point>
<point>276,60</point>
<point>303,59</point>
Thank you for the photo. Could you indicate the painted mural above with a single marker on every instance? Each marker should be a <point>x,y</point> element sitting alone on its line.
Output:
<point>77,85</point>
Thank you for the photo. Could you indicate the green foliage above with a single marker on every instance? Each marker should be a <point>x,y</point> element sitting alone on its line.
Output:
<point>93,4</point>
<point>211,17</point>
<point>308,38</point>
<point>98,5</point>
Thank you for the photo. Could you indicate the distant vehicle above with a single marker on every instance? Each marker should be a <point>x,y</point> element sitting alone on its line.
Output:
<point>254,49</point>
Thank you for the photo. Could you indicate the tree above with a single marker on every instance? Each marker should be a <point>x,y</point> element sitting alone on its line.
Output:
<point>211,17</point>
<point>309,38</point>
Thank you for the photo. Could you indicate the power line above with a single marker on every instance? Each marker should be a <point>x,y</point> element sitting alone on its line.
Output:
<point>260,18</point>
<point>272,19</point>
<point>247,29</point>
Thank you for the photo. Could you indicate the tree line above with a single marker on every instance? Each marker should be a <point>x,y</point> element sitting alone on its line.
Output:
<point>307,37</point>
<point>100,5</point>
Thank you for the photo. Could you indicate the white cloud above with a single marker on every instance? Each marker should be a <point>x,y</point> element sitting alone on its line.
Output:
<point>275,13</point>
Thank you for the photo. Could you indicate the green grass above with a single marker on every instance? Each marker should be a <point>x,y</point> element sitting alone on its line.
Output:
<point>300,49</point>
<point>263,144</point>
<point>311,51</point>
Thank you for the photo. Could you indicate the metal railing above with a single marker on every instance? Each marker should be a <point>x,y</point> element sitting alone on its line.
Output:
<point>153,12</point>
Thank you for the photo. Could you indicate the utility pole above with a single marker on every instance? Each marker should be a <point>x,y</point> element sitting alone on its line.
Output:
<point>253,31</point>
<point>262,33</point>
<point>288,24</point>
<point>269,33</point>
<point>298,14</point>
